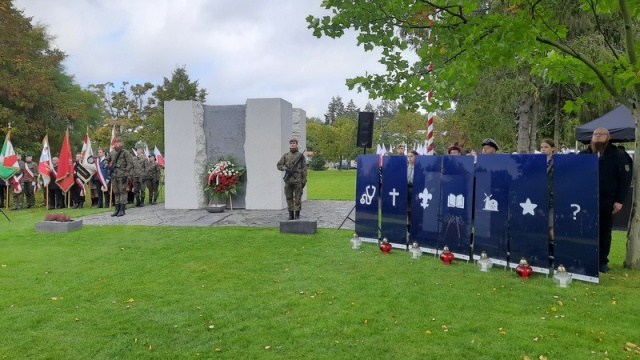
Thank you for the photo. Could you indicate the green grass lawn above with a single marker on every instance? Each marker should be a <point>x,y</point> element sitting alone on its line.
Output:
<point>137,292</point>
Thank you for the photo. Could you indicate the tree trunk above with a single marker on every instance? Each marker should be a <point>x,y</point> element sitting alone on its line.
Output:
<point>632,259</point>
<point>524,119</point>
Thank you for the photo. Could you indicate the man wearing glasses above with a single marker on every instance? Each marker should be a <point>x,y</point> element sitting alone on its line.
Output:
<point>614,174</point>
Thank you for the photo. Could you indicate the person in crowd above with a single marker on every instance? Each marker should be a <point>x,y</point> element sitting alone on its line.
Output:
<point>489,146</point>
<point>454,150</point>
<point>139,176</point>
<point>400,149</point>
<point>411,160</point>
<point>3,192</point>
<point>294,165</point>
<point>77,199</point>
<point>121,169</point>
<point>18,195</point>
<point>56,199</point>
<point>614,176</point>
<point>153,179</point>
<point>548,147</point>
<point>29,180</point>
<point>101,194</point>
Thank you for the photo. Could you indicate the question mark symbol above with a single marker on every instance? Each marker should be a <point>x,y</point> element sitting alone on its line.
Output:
<point>576,210</point>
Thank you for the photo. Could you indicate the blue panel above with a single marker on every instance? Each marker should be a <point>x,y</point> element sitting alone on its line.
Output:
<point>457,203</point>
<point>394,199</point>
<point>425,203</point>
<point>367,196</point>
<point>575,207</point>
<point>491,206</point>
<point>529,210</point>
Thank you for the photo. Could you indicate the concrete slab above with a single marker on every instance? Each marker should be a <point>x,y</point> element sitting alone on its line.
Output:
<point>298,227</point>
<point>57,226</point>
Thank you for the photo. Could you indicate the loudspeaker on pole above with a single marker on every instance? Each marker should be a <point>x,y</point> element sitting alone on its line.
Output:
<point>365,130</point>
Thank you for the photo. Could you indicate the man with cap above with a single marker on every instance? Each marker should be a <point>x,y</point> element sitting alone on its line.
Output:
<point>614,180</point>
<point>489,146</point>
<point>453,150</point>
<point>120,165</point>
<point>29,180</point>
<point>153,179</point>
<point>294,165</point>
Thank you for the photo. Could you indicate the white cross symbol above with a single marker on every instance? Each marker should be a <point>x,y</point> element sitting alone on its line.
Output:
<point>394,193</point>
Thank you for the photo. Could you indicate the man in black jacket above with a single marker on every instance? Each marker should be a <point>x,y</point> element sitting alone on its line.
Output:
<point>614,170</point>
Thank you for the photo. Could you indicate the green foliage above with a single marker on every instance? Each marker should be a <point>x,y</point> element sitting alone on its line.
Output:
<point>317,162</point>
<point>36,95</point>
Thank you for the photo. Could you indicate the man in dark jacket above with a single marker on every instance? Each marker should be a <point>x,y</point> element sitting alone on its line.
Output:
<point>294,165</point>
<point>614,170</point>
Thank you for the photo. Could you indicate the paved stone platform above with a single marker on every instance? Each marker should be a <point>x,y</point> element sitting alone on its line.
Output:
<point>328,214</point>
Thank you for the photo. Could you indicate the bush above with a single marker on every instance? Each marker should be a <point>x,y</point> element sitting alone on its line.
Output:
<point>317,162</point>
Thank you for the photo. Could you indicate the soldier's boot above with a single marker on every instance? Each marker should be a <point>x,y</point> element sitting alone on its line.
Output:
<point>297,215</point>
<point>155,198</point>
<point>81,205</point>
<point>290,215</point>
<point>142,201</point>
<point>117,210</point>
<point>121,212</point>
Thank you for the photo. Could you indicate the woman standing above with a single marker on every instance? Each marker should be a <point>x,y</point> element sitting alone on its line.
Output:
<point>548,147</point>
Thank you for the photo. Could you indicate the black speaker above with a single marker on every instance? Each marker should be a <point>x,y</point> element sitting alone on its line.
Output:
<point>365,130</point>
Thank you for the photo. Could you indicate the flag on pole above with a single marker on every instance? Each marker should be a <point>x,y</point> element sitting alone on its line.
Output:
<point>64,177</point>
<point>87,168</point>
<point>8,160</point>
<point>45,167</point>
<point>112,145</point>
<point>159,156</point>
<point>146,150</point>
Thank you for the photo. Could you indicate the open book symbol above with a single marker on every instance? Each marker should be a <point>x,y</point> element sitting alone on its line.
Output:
<point>455,201</point>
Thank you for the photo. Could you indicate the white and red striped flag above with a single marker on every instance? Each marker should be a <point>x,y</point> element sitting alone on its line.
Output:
<point>159,156</point>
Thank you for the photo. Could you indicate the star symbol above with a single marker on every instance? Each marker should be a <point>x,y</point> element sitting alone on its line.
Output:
<point>528,207</point>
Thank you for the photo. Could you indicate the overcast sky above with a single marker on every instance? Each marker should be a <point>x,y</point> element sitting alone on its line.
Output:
<point>237,49</point>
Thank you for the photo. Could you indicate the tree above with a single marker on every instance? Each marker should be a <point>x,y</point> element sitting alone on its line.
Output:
<point>36,96</point>
<point>454,42</point>
<point>335,110</point>
<point>179,87</point>
<point>351,111</point>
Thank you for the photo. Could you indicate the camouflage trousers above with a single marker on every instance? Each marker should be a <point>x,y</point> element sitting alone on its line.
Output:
<point>119,186</point>
<point>153,190</point>
<point>293,193</point>
<point>139,188</point>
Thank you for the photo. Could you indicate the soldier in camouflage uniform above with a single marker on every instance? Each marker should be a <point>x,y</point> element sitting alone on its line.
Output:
<point>18,197</point>
<point>153,179</point>
<point>29,179</point>
<point>120,164</point>
<point>139,174</point>
<point>294,165</point>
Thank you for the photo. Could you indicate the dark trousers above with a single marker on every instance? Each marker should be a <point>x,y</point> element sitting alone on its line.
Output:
<point>606,225</point>
<point>56,200</point>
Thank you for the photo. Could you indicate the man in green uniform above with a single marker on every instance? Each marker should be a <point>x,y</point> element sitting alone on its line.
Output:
<point>294,165</point>
<point>139,174</point>
<point>153,179</point>
<point>120,165</point>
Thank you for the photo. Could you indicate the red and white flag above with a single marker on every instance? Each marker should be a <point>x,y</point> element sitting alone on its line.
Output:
<point>64,177</point>
<point>45,167</point>
<point>159,156</point>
